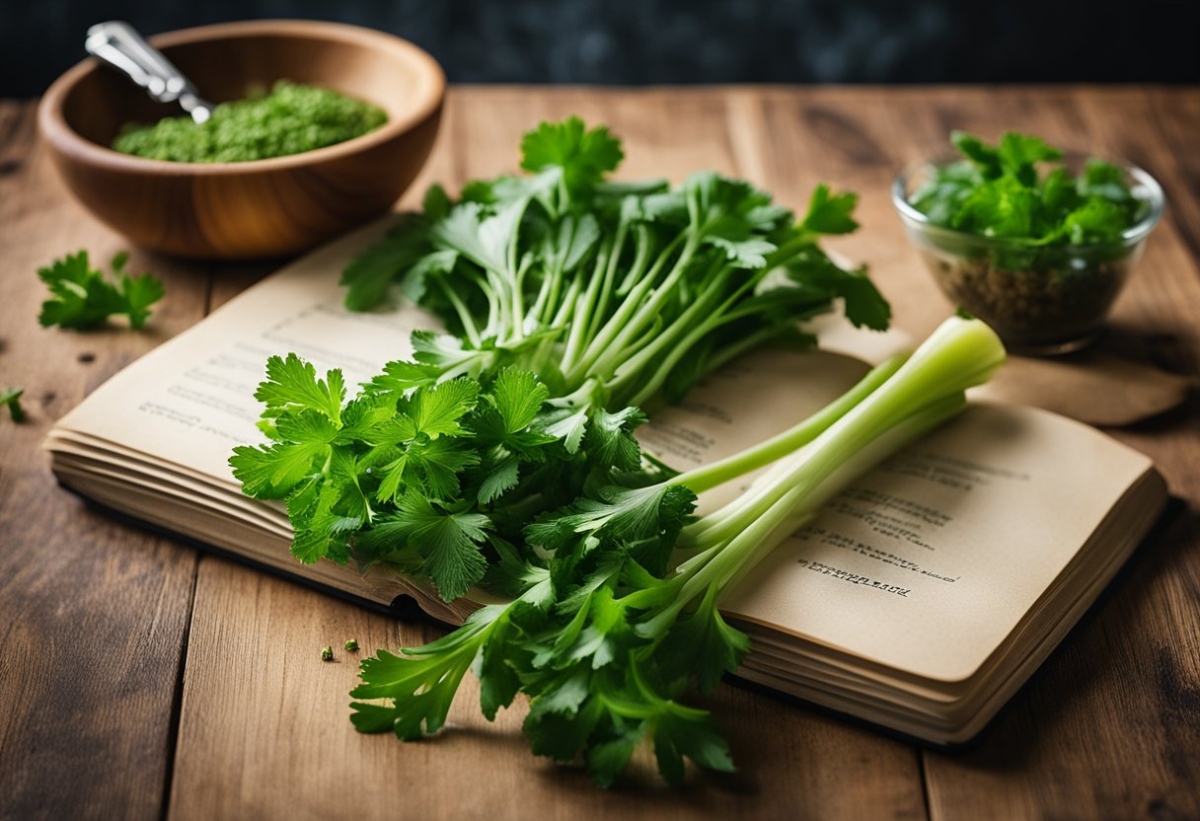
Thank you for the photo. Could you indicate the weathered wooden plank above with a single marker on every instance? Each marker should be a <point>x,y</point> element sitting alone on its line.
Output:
<point>265,729</point>
<point>94,611</point>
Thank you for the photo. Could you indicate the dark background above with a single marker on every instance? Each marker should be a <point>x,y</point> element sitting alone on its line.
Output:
<point>676,41</point>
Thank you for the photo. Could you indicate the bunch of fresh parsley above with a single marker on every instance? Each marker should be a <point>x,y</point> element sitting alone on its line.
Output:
<point>572,302</point>
<point>1019,190</point>
<point>502,454</point>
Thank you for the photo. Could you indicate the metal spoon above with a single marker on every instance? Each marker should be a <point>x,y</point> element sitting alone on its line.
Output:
<point>119,45</point>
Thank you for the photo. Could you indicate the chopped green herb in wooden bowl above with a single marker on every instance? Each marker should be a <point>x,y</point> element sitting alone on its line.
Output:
<point>291,119</point>
<point>1034,241</point>
<point>267,177</point>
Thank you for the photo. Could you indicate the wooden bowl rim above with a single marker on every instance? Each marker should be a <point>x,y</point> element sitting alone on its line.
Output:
<point>430,94</point>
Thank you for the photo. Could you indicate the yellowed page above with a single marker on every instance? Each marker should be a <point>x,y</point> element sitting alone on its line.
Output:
<point>927,563</point>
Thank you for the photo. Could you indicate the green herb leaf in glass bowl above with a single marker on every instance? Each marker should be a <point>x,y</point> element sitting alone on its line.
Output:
<point>1035,241</point>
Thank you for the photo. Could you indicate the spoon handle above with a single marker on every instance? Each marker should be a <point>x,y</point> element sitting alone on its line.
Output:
<point>119,45</point>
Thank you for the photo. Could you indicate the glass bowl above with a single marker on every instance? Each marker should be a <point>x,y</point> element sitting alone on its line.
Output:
<point>1041,300</point>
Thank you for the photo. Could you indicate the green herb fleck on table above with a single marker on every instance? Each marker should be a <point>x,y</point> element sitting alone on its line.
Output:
<point>82,298</point>
<point>351,645</point>
<point>12,398</point>
<point>291,119</point>
<point>327,653</point>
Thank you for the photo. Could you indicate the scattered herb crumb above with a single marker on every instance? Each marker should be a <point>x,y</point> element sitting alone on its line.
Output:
<point>351,645</point>
<point>327,654</point>
<point>12,398</point>
<point>82,298</point>
<point>291,119</point>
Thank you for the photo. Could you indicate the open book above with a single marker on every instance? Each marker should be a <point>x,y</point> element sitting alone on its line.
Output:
<point>920,600</point>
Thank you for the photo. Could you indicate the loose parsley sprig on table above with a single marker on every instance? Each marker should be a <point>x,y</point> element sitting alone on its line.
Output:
<point>1010,190</point>
<point>82,298</point>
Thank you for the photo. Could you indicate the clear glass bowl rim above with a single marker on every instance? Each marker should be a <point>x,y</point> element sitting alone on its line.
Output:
<point>1153,196</point>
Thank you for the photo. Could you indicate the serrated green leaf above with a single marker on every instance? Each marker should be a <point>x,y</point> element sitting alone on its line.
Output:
<point>437,464</point>
<point>436,409</point>
<point>400,377</point>
<point>677,736</point>
<point>609,439</point>
<point>584,155</point>
<point>749,253</point>
<point>703,646</point>
<point>569,425</point>
<point>518,396</point>
<point>271,472</point>
<point>830,213</point>
<point>292,383</point>
<point>502,476</point>
<point>448,542</point>
<point>373,271</point>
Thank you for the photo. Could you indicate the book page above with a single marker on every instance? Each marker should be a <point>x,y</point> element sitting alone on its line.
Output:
<point>191,400</point>
<point>928,562</point>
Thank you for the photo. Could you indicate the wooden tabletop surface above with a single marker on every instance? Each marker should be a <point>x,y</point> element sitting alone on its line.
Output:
<point>142,678</point>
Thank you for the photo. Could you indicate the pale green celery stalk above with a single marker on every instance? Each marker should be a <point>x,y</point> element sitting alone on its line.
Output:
<point>770,450</point>
<point>517,328</point>
<point>608,288</point>
<point>673,343</point>
<point>631,382</point>
<point>628,319</point>
<point>567,306</point>
<point>546,351</point>
<point>631,374</point>
<point>649,313</point>
<point>497,304</point>
<point>925,391</point>
<point>584,313</point>
<point>464,315</point>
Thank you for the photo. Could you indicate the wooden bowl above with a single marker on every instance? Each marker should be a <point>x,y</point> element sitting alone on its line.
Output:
<point>264,208</point>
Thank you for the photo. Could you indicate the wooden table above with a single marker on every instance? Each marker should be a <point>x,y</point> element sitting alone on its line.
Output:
<point>141,678</point>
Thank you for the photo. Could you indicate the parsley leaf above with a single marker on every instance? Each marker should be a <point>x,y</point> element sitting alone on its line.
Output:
<point>83,298</point>
<point>830,213</point>
<point>584,156</point>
